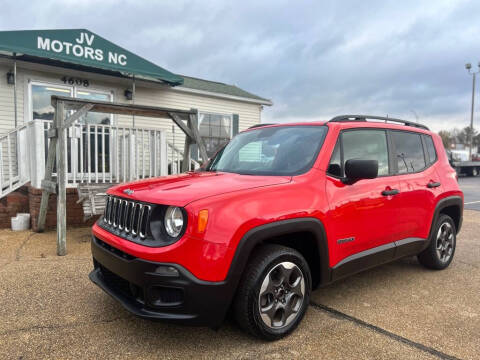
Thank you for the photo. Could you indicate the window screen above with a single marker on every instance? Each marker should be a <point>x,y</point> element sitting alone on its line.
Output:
<point>432,154</point>
<point>409,152</point>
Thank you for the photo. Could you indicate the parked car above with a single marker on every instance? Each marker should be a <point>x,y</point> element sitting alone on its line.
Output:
<point>279,211</point>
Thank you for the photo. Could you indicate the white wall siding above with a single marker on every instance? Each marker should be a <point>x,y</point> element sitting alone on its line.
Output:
<point>249,113</point>
<point>7,109</point>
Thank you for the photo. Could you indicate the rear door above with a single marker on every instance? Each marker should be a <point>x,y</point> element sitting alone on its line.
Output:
<point>362,216</point>
<point>419,182</point>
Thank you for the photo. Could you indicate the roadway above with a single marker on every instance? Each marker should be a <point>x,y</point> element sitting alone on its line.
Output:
<point>471,190</point>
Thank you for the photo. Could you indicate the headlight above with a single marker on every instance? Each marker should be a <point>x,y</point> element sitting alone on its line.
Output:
<point>173,221</point>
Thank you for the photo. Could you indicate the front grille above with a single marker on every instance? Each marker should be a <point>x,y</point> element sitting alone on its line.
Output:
<point>129,217</point>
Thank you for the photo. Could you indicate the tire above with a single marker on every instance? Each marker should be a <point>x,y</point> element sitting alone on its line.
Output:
<point>261,285</point>
<point>439,253</point>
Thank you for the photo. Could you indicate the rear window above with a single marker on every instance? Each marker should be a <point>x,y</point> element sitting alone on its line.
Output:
<point>432,154</point>
<point>409,152</point>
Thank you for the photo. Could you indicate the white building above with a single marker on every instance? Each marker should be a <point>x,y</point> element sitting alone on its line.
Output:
<point>38,64</point>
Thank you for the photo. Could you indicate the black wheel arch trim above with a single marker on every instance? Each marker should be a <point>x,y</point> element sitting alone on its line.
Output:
<point>261,233</point>
<point>442,204</point>
<point>446,202</point>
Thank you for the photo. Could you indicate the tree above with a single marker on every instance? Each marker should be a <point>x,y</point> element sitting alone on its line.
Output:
<point>467,132</point>
<point>447,138</point>
<point>476,140</point>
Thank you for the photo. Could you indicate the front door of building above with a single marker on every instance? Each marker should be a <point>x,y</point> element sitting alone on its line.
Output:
<point>88,144</point>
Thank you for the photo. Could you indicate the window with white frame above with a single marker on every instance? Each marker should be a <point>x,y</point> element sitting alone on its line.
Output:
<point>40,94</point>
<point>216,130</point>
<point>42,108</point>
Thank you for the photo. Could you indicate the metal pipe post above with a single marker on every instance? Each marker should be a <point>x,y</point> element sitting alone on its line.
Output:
<point>471,118</point>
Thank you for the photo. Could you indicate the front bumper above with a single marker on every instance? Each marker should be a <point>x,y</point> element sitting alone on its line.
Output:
<point>137,285</point>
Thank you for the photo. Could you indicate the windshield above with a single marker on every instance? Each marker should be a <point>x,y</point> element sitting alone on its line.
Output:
<point>285,150</point>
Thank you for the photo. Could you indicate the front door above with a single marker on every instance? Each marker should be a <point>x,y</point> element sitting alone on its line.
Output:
<point>96,153</point>
<point>362,215</point>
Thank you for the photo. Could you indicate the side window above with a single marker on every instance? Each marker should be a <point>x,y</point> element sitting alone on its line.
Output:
<point>409,152</point>
<point>432,154</point>
<point>335,166</point>
<point>366,145</point>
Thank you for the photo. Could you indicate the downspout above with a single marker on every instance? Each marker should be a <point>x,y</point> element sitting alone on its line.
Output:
<point>15,87</point>
<point>133,99</point>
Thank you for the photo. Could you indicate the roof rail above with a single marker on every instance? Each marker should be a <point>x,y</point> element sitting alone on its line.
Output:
<point>346,118</point>
<point>260,125</point>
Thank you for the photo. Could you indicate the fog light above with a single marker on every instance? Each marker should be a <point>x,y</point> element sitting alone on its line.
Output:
<point>166,271</point>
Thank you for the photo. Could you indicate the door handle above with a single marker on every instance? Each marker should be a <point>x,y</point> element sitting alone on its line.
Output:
<point>433,184</point>
<point>390,192</point>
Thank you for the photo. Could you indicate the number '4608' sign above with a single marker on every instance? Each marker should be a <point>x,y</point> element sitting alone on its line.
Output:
<point>75,81</point>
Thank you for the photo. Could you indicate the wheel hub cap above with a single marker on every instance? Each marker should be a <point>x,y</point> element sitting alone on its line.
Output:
<point>445,242</point>
<point>281,295</point>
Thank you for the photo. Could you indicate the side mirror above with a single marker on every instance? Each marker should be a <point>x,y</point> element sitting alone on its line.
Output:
<point>356,169</point>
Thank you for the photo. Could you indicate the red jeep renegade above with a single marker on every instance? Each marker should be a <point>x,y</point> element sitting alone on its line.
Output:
<point>279,211</point>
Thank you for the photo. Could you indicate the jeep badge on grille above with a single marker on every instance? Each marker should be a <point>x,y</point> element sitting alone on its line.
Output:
<point>128,191</point>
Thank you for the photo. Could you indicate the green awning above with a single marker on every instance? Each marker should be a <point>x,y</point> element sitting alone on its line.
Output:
<point>84,48</point>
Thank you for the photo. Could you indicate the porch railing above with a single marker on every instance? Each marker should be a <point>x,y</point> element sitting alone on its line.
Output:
<point>14,169</point>
<point>96,154</point>
<point>175,159</point>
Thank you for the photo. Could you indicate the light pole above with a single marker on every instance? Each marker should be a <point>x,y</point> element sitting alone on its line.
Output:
<point>468,66</point>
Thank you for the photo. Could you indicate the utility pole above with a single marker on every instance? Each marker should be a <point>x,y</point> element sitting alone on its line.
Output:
<point>468,66</point>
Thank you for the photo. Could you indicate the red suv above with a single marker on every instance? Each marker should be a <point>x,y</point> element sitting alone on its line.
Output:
<point>279,211</point>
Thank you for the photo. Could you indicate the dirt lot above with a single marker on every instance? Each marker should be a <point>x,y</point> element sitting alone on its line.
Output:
<point>49,309</point>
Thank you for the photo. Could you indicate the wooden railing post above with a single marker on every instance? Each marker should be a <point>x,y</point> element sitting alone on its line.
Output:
<point>198,139</point>
<point>164,154</point>
<point>186,150</point>
<point>61,180</point>
<point>36,141</point>
<point>132,166</point>
<point>47,184</point>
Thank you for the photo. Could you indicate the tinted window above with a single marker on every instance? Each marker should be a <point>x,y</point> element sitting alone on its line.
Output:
<point>432,154</point>
<point>364,145</point>
<point>409,152</point>
<point>286,150</point>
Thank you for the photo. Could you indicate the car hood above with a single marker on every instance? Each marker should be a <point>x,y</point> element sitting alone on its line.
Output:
<point>179,190</point>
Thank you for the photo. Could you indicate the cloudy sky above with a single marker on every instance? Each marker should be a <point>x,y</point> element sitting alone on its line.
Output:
<point>314,59</point>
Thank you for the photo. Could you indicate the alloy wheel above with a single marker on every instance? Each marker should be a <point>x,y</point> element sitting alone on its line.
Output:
<point>281,295</point>
<point>445,242</point>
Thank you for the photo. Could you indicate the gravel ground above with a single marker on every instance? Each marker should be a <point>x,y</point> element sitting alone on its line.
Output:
<point>49,309</point>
